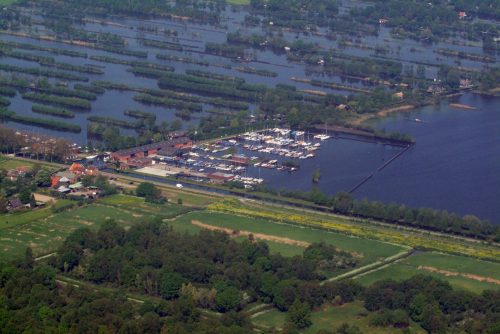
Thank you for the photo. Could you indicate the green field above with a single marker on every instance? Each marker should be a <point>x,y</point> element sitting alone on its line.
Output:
<point>331,317</point>
<point>7,2</point>
<point>44,231</point>
<point>408,267</point>
<point>371,250</point>
<point>238,2</point>
<point>188,198</point>
<point>20,218</point>
<point>6,163</point>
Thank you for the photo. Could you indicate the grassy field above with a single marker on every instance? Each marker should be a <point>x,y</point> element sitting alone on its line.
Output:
<point>187,198</point>
<point>408,267</point>
<point>21,218</point>
<point>6,163</point>
<point>44,231</point>
<point>7,2</point>
<point>238,2</point>
<point>190,198</point>
<point>331,317</point>
<point>364,229</point>
<point>370,249</point>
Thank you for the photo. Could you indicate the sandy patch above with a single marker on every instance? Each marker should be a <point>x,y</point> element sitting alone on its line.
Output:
<point>454,273</point>
<point>383,113</point>
<point>257,236</point>
<point>462,106</point>
<point>86,222</point>
<point>43,198</point>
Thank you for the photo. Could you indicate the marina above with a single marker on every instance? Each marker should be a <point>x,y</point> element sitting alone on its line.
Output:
<point>239,158</point>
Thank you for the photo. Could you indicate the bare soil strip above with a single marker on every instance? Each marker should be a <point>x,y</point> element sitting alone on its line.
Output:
<point>257,236</point>
<point>462,106</point>
<point>454,273</point>
<point>383,113</point>
<point>44,198</point>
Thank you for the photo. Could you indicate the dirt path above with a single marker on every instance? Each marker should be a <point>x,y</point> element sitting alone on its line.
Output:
<point>454,273</point>
<point>257,236</point>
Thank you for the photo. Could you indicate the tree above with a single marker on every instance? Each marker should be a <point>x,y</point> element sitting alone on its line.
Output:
<point>111,138</point>
<point>29,259</point>
<point>3,204</point>
<point>87,180</point>
<point>147,189</point>
<point>176,125</point>
<point>433,319</point>
<point>228,299</point>
<point>25,195</point>
<point>149,323</point>
<point>299,314</point>
<point>170,284</point>
<point>347,329</point>
<point>42,178</point>
<point>32,201</point>
<point>417,306</point>
<point>343,202</point>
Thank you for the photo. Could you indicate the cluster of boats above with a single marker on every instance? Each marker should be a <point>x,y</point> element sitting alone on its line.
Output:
<point>282,142</point>
<point>203,162</point>
<point>228,156</point>
<point>248,181</point>
<point>273,164</point>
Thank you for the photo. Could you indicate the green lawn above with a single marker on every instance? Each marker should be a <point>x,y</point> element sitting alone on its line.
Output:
<point>140,208</point>
<point>44,231</point>
<point>371,250</point>
<point>284,249</point>
<point>7,163</point>
<point>331,317</point>
<point>189,198</point>
<point>408,267</point>
<point>20,218</point>
<point>238,2</point>
<point>7,2</point>
<point>270,319</point>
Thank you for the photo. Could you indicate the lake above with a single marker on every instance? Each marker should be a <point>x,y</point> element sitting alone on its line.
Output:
<point>455,164</point>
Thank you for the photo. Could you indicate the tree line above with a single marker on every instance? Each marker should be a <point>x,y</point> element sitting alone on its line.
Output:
<point>399,214</point>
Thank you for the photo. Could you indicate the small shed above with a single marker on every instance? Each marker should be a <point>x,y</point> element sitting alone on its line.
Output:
<point>14,204</point>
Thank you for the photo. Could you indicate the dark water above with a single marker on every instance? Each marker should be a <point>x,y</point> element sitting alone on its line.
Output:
<point>455,164</point>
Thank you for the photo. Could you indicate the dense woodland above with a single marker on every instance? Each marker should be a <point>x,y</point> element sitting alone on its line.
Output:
<point>180,276</point>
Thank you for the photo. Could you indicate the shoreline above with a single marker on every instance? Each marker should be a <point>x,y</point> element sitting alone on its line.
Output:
<point>410,107</point>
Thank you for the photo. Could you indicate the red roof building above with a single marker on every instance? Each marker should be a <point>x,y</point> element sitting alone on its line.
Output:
<point>218,177</point>
<point>124,156</point>
<point>80,170</point>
